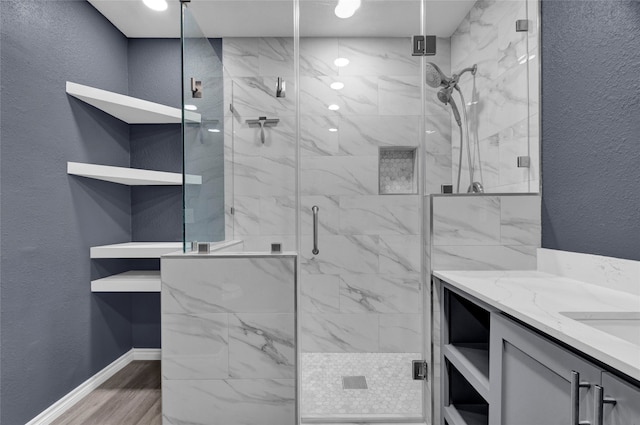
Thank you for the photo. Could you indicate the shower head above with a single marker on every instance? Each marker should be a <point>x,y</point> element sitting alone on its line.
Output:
<point>434,76</point>
<point>444,96</point>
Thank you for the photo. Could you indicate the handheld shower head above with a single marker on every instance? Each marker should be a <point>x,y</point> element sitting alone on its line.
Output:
<point>434,76</point>
<point>444,96</point>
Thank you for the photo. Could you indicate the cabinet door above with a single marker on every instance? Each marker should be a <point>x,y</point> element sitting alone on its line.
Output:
<point>626,411</point>
<point>533,377</point>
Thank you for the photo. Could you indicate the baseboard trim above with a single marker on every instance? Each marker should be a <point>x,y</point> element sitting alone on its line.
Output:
<point>65,403</point>
<point>147,353</point>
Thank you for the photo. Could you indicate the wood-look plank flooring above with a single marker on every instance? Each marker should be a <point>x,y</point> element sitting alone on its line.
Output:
<point>130,397</point>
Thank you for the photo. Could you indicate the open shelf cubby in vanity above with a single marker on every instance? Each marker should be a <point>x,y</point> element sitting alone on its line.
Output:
<point>465,356</point>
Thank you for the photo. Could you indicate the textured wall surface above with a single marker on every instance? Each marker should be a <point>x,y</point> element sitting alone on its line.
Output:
<point>154,75</point>
<point>55,332</point>
<point>590,127</point>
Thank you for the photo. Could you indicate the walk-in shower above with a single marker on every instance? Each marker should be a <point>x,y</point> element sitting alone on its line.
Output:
<point>359,109</point>
<point>435,78</point>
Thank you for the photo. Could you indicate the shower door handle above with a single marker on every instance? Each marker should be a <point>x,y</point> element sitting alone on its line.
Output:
<point>315,250</point>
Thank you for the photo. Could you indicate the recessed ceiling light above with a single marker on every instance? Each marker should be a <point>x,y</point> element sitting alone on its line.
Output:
<point>334,107</point>
<point>346,8</point>
<point>213,130</point>
<point>340,62</point>
<point>191,107</point>
<point>333,130</point>
<point>337,85</point>
<point>158,5</point>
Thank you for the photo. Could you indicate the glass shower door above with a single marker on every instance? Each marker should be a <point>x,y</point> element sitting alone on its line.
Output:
<point>203,136</point>
<point>361,309</point>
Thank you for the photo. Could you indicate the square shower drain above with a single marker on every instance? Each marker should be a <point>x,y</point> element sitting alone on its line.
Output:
<point>354,383</point>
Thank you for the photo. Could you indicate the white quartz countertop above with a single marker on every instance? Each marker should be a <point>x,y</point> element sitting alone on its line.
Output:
<point>539,299</point>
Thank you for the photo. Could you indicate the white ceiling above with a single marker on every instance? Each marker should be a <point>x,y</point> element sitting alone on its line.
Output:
<point>274,18</point>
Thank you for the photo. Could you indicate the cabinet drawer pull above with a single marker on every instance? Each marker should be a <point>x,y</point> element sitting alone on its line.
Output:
<point>575,398</point>
<point>600,401</point>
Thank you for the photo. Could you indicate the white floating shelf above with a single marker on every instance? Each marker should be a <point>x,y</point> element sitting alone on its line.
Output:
<point>131,281</point>
<point>129,176</point>
<point>135,250</point>
<point>129,109</point>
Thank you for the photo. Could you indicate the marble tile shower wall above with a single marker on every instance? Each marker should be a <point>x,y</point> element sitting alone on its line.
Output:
<point>485,232</point>
<point>477,233</point>
<point>503,98</point>
<point>264,174</point>
<point>362,292</point>
<point>228,350</point>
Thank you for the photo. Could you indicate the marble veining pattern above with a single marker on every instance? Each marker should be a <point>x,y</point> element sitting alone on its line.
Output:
<point>231,402</point>
<point>359,292</point>
<point>228,339</point>
<point>261,346</point>
<point>391,392</point>
<point>485,232</point>
<point>466,221</point>
<point>502,95</point>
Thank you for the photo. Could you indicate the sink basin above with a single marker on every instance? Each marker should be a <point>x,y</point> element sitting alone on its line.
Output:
<point>624,325</point>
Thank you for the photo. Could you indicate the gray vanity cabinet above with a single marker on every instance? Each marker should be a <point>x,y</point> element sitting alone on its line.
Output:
<point>626,411</point>
<point>531,378</point>
<point>498,371</point>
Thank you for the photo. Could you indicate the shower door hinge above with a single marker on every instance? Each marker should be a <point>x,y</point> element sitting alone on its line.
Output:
<point>524,162</point>
<point>196,88</point>
<point>420,370</point>
<point>522,25</point>
<point>423,45</point>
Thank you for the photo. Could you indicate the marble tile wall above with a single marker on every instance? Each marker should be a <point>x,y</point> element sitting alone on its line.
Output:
<point>502,99</point>
<point>471,232</point>
<point>361,293</point>
<point>228,339</point>
<point>264,174</point>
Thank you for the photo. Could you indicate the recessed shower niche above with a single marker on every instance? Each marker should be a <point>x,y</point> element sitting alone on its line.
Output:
<point>397,171</point>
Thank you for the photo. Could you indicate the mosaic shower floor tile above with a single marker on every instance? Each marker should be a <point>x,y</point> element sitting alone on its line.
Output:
<point>391,392</point>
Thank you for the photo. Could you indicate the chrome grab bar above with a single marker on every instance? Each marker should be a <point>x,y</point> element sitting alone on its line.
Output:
<point>315,250</point>
<point>575,398</point>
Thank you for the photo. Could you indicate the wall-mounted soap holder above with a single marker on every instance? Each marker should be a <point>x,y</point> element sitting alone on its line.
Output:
<point>397,172</point>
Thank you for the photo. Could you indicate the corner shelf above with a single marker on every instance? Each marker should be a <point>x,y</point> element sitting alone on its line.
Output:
<point>131,281</point>
<point>129,109</point>
<point>130,176</point>
<point>135,250</point>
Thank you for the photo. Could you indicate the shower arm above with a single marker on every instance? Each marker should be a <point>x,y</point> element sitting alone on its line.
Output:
<point>456,77</point>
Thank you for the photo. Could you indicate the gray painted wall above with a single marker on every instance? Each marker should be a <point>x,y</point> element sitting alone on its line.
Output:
<point>156,211</point>
<point>591,127</point>
<point>55,332</point>
<point>154,75</point>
